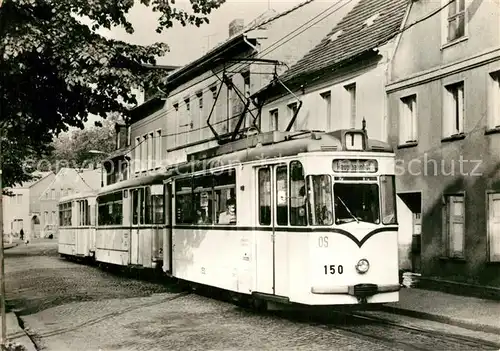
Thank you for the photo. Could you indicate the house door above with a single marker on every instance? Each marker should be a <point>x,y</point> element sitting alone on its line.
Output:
<point>271,243</point>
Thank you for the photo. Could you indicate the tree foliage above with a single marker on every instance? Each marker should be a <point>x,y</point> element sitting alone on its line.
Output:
<point>74,149</point>
<point>55,70</point>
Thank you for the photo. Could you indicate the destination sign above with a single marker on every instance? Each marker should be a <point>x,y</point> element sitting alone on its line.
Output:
<point>354,166</point>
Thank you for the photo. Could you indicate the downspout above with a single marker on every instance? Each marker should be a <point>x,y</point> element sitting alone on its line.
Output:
<point>388,67</point>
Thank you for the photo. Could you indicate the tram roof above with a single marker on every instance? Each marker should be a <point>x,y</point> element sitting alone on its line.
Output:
<point>78,196</point>
<point>273,145</point>
<point>134,182</point>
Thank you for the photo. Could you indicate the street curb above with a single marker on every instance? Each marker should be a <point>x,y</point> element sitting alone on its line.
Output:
<point>442,319</point>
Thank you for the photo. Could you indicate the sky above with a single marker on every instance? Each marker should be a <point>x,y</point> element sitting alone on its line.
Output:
<point>190,42</point>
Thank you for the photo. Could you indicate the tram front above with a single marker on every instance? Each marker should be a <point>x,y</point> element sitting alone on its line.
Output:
<point>353,245</point>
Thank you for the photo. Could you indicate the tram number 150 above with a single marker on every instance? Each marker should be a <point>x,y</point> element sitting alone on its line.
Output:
<point>332,269</point>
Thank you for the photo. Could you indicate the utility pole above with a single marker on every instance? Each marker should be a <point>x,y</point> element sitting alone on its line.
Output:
<point>3,339</point>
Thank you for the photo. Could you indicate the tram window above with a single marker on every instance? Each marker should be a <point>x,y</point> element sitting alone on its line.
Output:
<point>142,204</point>
<point>65,214</point>
<point>388,194</point>
<point>183,201</point>
<point>281,195</point>
<point>148,208</point>
<point>110,209</point>
<point>87,214</point>
<point>203,198</point>
<point>320,199</point>
<point>225,205</point>
<point>135,207</point>
<point>298,213</point>
<point>158,209</point>
<point>224,195</point>
<point>356,202</point>
<point>183,205</point>
<point>264,196</point>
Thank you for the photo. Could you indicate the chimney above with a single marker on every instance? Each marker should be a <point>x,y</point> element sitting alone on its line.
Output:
<point>236,26</point>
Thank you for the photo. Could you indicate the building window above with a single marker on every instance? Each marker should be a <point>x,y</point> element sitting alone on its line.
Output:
<point>53,218</point>
<point>137,149</point>
<point>454,219</point>
<point>456,20</point>
<point>176,117</point>
<point>187,103</point>
<point>454,109</point>
<point>144,152</point>
<point>494,101</point>
<point>53,194</point>
<point>494,227</point>
<point>351,104</point>
<point>327,108</point>
<point>158,153</point>
<point>408,131</point>
<point>151,150</point>
<point>200,114</point>
<point>45,218</point>
<point>292,108</point>
<point>273,119</point>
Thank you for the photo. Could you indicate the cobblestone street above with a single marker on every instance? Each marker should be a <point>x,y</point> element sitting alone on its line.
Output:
<point>70,306</point>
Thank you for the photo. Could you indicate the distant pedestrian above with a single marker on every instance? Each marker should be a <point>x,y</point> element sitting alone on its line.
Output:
<point>21,233</point>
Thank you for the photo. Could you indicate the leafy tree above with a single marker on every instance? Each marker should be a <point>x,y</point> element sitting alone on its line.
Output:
<point>73,149</point>
<point>55,70</point>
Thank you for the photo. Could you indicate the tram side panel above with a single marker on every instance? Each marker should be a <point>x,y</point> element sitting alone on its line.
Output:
<point>214,256</point>
<point>113,230</point>
<point>66,241</point>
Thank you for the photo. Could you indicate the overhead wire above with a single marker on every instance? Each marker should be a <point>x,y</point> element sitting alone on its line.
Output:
<point>271,49</point>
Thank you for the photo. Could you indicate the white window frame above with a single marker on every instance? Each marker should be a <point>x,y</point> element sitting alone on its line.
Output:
<point>351,103</point>
<point>144,152</point>
<point>326,97</point>
<point>151,150</point>
<point>446,19</point>
<point>201,114</point>
<point>493,241</point>
<point>494,100</point>
<point>274,119</point>
<point>448,220</point>
<point>408,120</point>
<point>454,103</point>
<point>291,108</point>
<point>158,148</point>
<point>137,158</point>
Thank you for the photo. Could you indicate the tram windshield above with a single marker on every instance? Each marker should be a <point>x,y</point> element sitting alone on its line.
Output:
<point>356,202</point>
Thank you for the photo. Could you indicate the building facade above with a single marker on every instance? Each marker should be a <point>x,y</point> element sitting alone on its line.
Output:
<point>22,210</point>
<point>443,99</point>
<point>341,82</point>
<point>66,182</point>
<point>166,128</point>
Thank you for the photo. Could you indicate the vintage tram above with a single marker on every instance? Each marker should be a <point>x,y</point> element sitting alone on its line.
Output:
<point>76,238</point>
<point>287,217</point>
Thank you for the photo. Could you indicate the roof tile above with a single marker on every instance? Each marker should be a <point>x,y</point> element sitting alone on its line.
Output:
<point>356,36</point>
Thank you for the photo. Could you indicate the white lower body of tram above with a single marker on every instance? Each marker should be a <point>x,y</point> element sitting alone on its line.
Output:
<point>356,263</point>
<point>77,241</point>
<point>137,246</point>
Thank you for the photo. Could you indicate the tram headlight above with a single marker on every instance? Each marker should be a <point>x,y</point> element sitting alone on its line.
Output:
<point>362,266</point>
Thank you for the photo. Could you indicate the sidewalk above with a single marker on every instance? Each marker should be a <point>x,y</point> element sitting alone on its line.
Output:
<point>15,334</point>
<point>465,312</point>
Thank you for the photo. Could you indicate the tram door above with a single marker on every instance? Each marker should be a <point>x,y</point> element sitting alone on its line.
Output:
<point>271,241</point>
